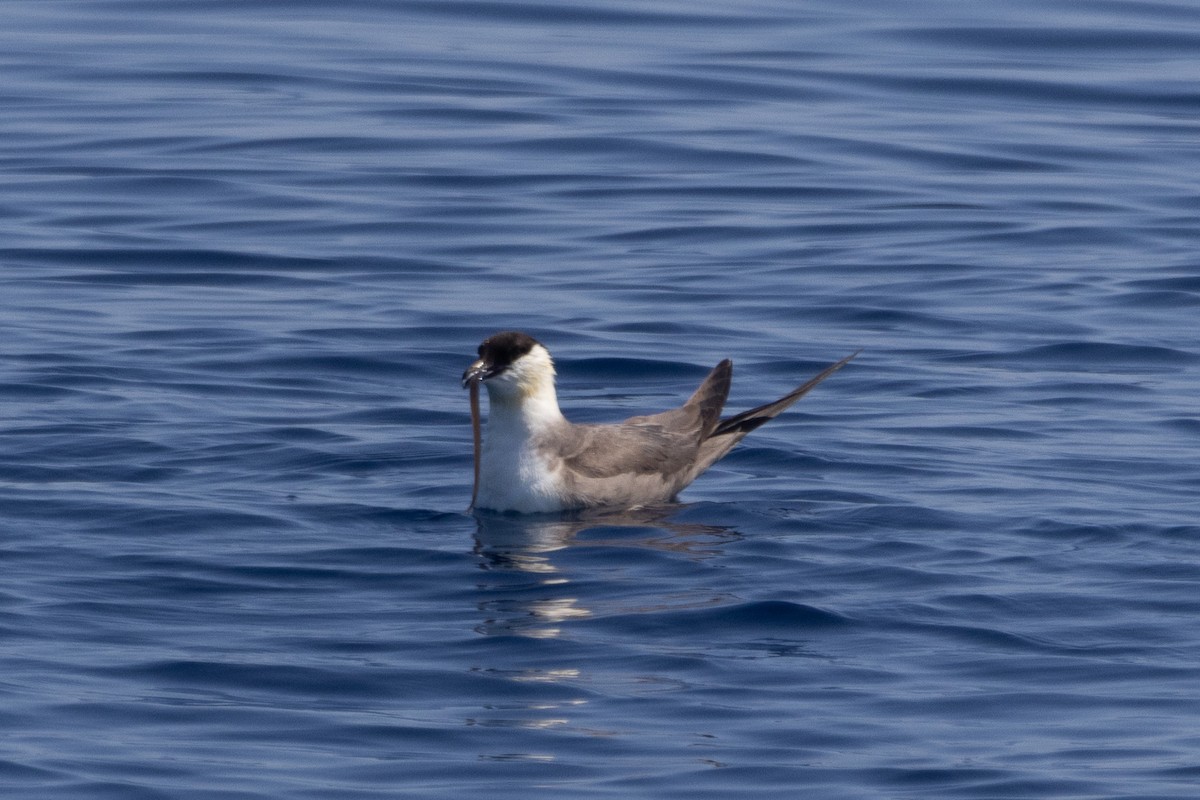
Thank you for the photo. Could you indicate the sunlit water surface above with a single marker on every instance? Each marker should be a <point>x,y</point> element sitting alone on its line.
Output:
<point>246,250</point>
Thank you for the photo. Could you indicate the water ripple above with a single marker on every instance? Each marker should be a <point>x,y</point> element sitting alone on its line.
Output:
<point>248,248</point>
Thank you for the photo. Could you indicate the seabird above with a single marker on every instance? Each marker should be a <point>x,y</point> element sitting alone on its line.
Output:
<point>533,460</point>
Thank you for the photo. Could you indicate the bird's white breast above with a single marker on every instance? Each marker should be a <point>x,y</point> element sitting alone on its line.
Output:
<point>515,477</point>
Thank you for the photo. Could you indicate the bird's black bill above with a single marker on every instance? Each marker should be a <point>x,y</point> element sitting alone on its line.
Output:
<point>476,373</point>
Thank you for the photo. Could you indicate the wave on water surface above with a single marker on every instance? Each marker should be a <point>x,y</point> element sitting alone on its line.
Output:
<point>248,249</point>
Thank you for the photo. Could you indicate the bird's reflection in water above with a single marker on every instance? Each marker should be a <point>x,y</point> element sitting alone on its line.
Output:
<point>523,592</point>
<point>531,595</point>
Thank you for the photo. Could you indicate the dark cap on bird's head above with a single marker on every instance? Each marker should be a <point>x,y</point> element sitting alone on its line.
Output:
<point>497,353</point>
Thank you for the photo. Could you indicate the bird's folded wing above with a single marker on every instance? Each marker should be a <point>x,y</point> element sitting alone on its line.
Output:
<point>665,443</point>
<point>634,447</point>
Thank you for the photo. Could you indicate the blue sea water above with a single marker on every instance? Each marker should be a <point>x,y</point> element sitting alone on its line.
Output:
<point>247,248</point>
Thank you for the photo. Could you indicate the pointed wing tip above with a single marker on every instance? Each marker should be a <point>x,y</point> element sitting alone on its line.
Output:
<point>749,420</point>
<point>835,366</point>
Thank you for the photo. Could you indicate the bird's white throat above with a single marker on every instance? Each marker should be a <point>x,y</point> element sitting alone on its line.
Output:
<point>524,396</point>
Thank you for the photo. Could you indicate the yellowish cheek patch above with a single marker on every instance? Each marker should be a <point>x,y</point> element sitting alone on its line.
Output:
<point>530,388</point>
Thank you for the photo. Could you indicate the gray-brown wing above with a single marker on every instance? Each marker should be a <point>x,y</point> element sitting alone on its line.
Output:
<point>665,443</point>
<point>633,447</point>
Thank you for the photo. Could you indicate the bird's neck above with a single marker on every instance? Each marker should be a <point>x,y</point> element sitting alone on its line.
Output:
<point>532,409</point>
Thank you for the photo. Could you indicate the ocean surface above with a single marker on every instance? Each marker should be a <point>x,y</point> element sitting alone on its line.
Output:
<point>247,249</point>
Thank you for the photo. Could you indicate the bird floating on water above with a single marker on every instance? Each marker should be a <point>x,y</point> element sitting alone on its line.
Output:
<point>533,460</point>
